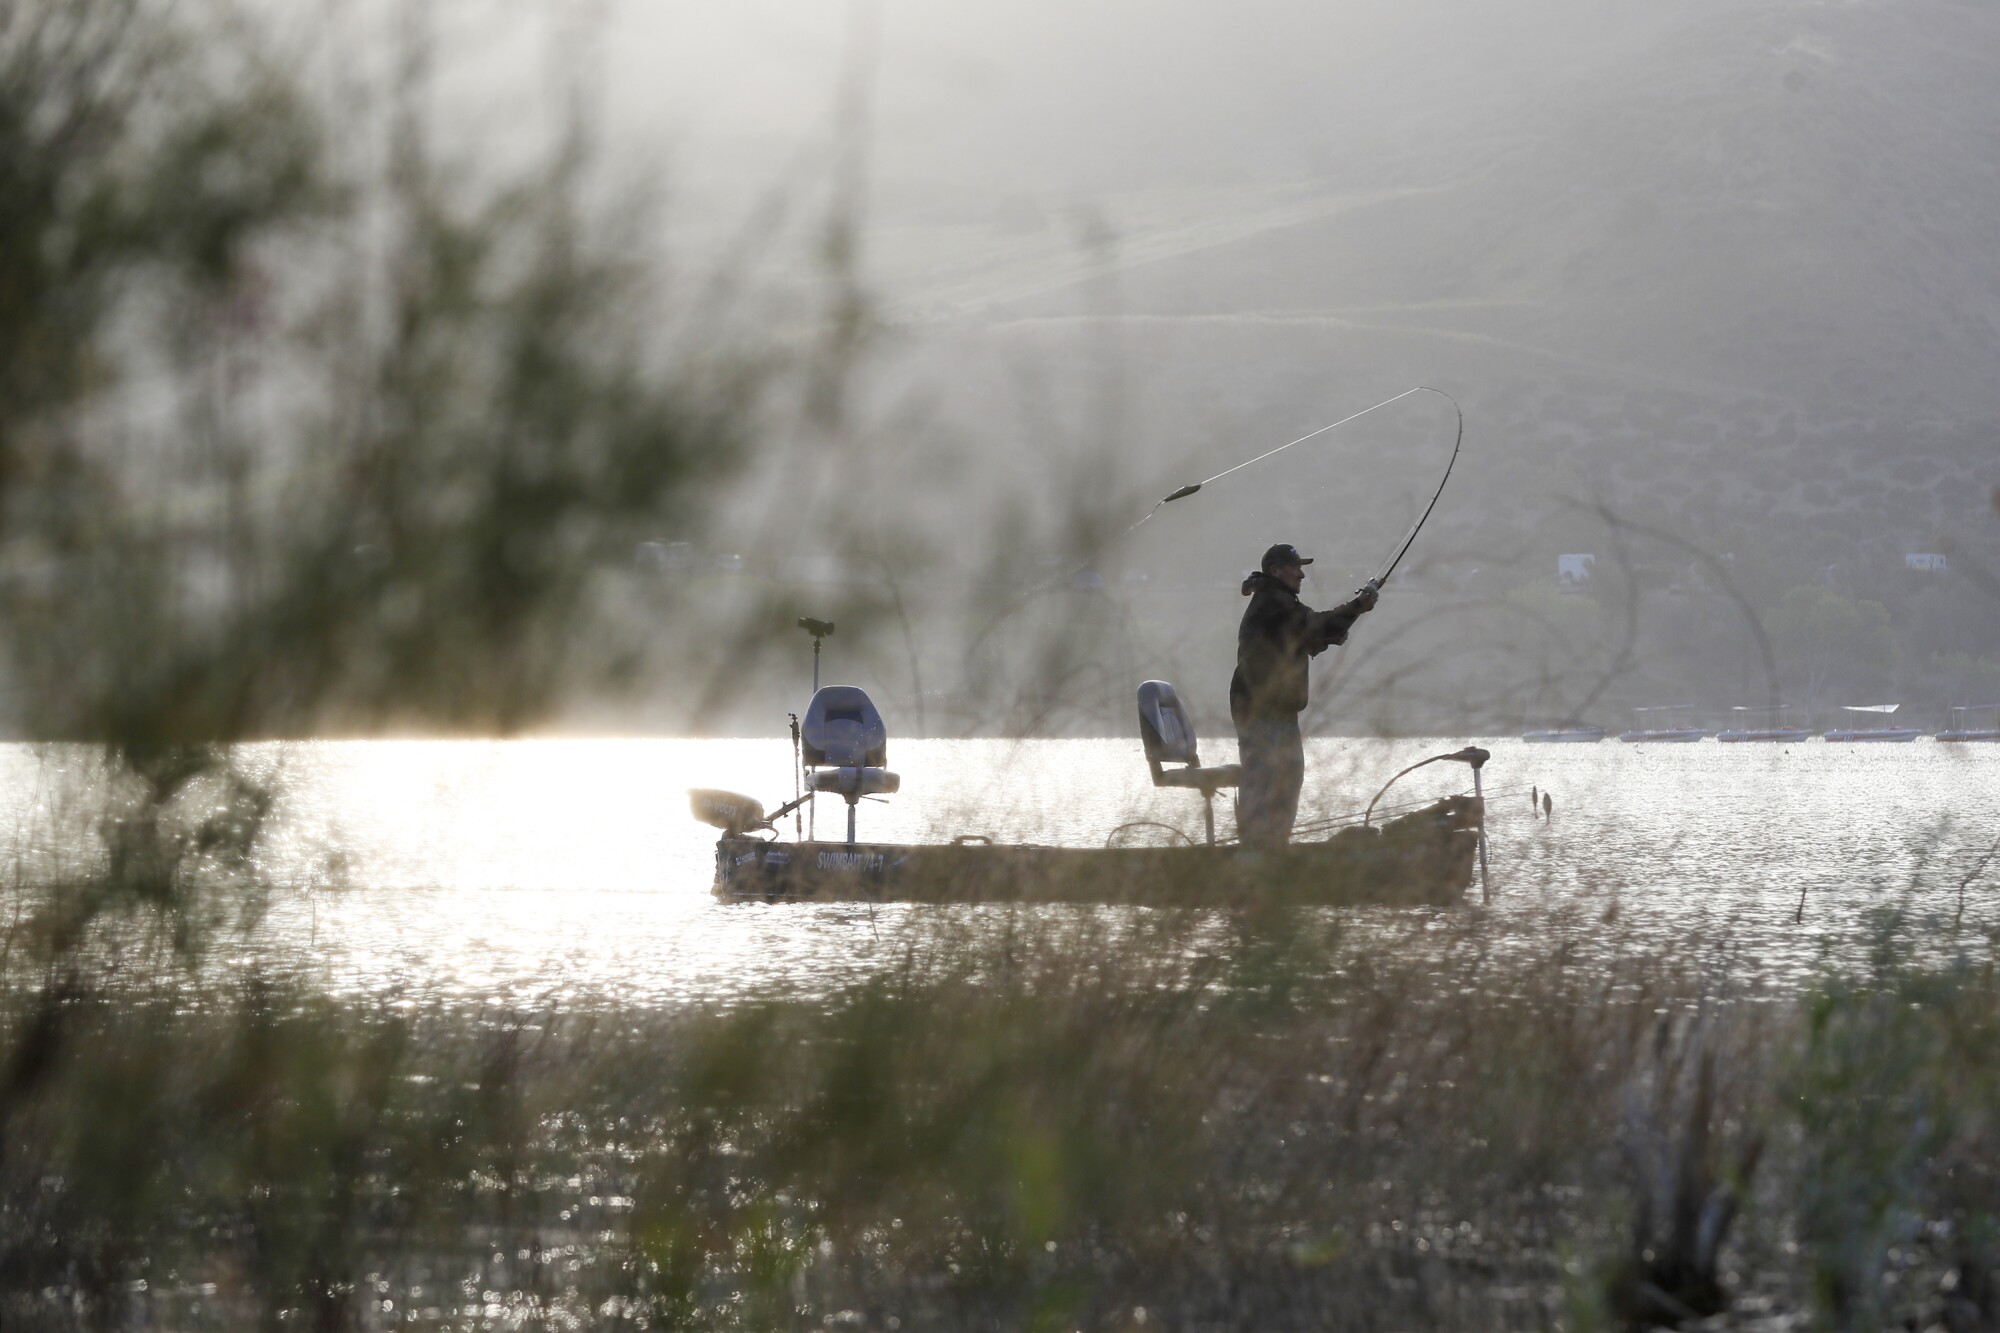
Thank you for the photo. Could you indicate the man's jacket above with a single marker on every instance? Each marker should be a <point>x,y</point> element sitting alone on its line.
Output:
<point>1278,637</point>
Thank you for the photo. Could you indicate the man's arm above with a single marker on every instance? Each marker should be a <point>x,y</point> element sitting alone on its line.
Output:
<point>1330,627</point>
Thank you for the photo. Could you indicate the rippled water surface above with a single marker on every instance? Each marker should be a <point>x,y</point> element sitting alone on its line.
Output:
<point>544,870</point>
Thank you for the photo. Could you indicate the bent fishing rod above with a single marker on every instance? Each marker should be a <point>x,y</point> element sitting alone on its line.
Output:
<point>1190,489</point>
<point>1458,442</point>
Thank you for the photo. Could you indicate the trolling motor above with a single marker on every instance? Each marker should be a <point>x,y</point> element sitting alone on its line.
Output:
<point>732,812</point>
<point>736,814</point>
<point>1475,759</point>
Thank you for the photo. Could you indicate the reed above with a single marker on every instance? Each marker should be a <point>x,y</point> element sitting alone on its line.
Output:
<point>1100,1119</point>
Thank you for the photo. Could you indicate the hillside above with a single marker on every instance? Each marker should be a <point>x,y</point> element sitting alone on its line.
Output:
<point>1735,277</point>
<point>1785,200</point>
<point>1716,283</point>
<point>1758,256</point>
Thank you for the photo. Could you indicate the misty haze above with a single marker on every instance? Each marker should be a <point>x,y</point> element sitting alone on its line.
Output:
<point>1721,270</point>
<point>926,666</point>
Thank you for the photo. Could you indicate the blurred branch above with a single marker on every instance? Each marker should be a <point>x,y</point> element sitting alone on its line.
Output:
<point>1723,579</point>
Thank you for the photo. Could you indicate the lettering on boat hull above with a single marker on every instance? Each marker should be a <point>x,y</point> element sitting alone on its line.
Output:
<point>852,860</point>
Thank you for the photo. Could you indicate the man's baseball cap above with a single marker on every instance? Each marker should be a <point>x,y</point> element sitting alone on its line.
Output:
<point>1284,553</point>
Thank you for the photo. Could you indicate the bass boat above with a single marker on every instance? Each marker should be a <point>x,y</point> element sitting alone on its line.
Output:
<point>1422,856</point>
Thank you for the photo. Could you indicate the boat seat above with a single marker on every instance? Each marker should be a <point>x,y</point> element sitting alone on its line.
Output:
<point>842,729</point>
<point>854,783</point>
<point>845,748</point>
<point>1168,734</point>
<point>1208,780</point>
<point>1167,731</point>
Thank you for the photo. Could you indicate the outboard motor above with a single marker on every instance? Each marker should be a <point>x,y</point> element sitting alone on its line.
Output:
<point>844,747</point>
<point>1168,734</point>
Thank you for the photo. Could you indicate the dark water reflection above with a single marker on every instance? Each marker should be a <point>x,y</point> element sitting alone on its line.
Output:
<point>570,871</point>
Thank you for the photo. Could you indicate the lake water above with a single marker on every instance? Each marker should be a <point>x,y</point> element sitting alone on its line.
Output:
<point>561,870</point>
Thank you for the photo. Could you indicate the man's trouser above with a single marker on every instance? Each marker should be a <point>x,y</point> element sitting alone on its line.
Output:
<point>1274,769</point>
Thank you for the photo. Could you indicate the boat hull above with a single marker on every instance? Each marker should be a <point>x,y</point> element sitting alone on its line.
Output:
<point>1763,734</point>
<point>1961,736</point>
<point>1426,857</point>
<point>1872,735</point>
<point>1565,736</point>
<point>1663,736</point>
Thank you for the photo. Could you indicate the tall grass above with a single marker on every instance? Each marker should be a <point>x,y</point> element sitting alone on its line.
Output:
<point>1100,1120</point>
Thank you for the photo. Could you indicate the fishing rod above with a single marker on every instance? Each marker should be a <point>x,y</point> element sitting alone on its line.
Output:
<point>1060,579</point>
<point>1457,443</point>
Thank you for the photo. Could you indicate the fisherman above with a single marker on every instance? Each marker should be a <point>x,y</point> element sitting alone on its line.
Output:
<point>1278,635</point>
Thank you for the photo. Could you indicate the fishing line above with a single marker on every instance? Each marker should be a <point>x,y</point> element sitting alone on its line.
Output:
<point>1190,490</point>
<point>1457,442</point>
<point>1192,487</point>
<point>1058,580</point>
